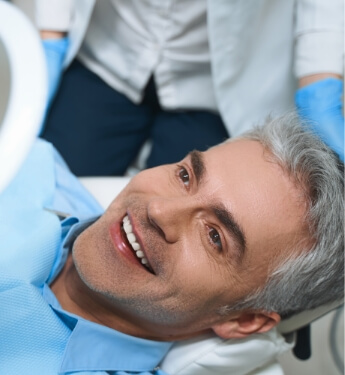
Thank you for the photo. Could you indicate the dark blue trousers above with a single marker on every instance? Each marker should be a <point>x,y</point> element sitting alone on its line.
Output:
<point>99,132</point>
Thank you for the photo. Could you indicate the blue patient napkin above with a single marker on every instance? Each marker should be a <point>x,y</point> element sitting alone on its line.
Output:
<point>29,236</point>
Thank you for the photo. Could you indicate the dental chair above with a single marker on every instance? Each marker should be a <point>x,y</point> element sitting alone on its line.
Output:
<point>23,90</point>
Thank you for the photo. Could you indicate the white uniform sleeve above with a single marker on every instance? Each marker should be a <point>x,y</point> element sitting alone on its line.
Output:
<point>319,37</point>
<point>53,15</point>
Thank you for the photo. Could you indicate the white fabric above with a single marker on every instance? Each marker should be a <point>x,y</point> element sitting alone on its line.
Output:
<point>255,46</point>
<point>54,14</point>
<point>319,37</point>
<point>128,40</point>
<point>213,355</point>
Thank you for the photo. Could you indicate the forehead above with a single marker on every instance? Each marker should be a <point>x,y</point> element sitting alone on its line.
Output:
<point>260,195</point>
<point>248,163</point>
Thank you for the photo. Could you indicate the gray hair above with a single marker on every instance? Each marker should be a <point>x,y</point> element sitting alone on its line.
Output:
<point>316,275</point>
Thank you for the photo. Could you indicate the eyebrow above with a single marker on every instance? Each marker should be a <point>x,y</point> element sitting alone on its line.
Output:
<point>233,228</point>
<point>198,165</point>
<point>219,210</point>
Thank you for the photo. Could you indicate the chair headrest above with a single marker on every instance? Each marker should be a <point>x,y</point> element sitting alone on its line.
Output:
<point>306,317</point>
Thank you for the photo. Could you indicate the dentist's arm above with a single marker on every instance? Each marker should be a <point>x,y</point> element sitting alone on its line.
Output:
<point>55,45</point>
<point>319,66</point>
<point>319,101</point>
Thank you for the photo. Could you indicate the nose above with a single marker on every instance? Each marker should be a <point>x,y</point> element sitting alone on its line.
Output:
<point>170,217</point>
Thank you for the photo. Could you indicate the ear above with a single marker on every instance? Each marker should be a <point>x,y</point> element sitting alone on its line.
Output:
<point>246,324</point>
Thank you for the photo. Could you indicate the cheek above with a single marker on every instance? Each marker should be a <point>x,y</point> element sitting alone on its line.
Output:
<point>198,275</point>
<point>89,252</point>
<point>211,281</point>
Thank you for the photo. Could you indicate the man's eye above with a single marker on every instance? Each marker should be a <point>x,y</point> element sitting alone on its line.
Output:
<point>215,238</point>
<point>184,176</point>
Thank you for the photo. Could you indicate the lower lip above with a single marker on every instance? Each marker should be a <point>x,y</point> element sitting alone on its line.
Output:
<point>120,244</point>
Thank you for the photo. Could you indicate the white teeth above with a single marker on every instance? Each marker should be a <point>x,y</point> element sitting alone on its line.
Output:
<point>140,254</point>
<point>131,237</point>
<point>127,227</point>
<point>135,246</point>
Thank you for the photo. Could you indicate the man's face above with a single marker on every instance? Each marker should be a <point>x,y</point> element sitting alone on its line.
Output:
<point>210,228</point>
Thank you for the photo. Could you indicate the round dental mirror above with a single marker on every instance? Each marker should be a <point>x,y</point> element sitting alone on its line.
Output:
<point>23,89</point>
<point>4,81</point>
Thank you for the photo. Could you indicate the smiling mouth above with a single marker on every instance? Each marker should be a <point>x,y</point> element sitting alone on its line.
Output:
<point>128,231</point>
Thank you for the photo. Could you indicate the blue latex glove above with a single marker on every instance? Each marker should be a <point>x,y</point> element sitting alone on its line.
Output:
<point>320,104</point>
<point>55,51</point>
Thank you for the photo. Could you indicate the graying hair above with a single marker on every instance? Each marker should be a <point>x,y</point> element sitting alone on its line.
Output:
<point>316,275</point>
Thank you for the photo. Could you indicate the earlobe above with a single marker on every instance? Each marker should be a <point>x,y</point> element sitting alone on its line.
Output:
<point>246,324</point>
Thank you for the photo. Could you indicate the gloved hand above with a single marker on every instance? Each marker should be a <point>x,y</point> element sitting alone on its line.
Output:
<point>55,51</point>
<point>320,104</point>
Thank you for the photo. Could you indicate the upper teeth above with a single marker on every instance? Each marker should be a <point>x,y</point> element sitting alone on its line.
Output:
<point>127,227</point>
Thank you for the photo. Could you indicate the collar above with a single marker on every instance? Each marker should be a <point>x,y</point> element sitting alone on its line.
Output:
<point>94,347</point>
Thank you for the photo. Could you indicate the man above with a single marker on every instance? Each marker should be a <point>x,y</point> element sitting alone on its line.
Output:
<point>230,240</point>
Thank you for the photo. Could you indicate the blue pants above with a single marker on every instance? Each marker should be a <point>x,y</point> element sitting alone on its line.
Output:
<point>99,131</point>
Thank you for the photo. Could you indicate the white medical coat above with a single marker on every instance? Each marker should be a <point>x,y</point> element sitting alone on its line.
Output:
<point>258,49</point>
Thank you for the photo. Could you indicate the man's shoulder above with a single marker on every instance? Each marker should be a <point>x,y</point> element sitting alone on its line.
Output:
<point>29,228</point>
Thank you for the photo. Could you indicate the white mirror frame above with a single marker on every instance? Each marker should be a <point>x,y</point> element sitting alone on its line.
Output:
<point>28,89</point>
